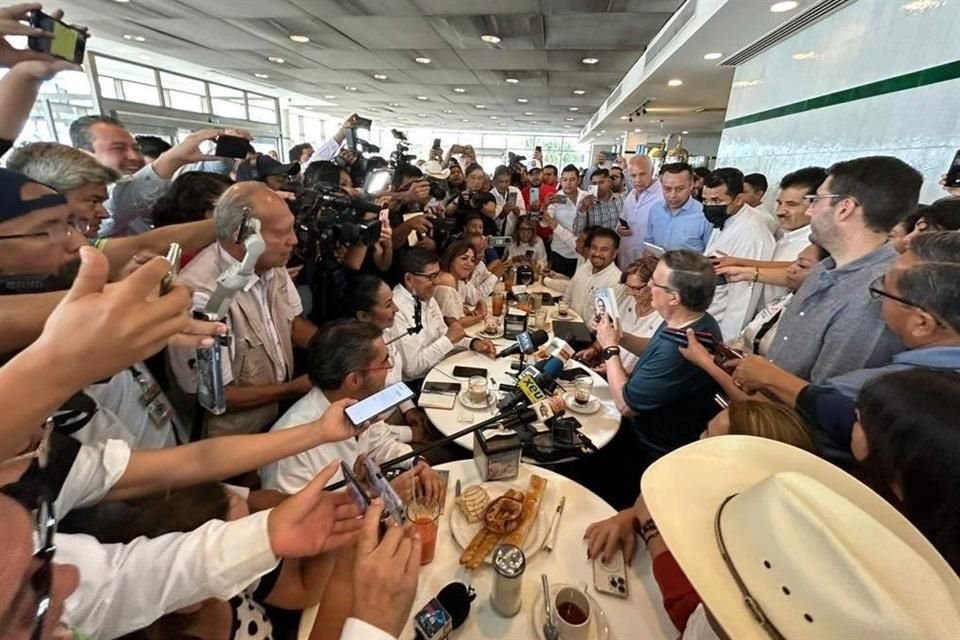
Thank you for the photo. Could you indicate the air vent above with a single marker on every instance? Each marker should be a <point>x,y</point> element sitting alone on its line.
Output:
<point>677,22</point>
<point>798,23</point>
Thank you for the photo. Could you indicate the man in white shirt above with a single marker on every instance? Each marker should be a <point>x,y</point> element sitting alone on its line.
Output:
<point>131,200</point>
<point>754,189</point>
<point>329,149</point>
<point>598,272</point>
<point>348,359</point>
<point>424,350</point>
<point>563,208</point>
<point>739,230</point>
<point>510,203</point>
<point>646,192</point>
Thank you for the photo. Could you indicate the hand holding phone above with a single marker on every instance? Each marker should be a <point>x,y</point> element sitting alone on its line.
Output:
<point>378,404</point>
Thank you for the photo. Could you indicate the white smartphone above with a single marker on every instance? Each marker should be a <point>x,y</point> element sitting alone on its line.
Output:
<point>594,190</point>
<point>654,249</point>
<point>379,403</point>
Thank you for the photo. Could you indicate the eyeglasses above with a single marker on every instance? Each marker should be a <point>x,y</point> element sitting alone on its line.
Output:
<point>765,623</point>
<point>430,276</point>
<point>46,520</point>
<point>57,233</point>
<point>812,198</point>
<point>877,291</point>
<point>384,367</point>
<point>651,283</point>
<point>639,289</point>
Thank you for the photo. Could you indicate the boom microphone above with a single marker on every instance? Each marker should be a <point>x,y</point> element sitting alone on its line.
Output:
<point>527,342</point>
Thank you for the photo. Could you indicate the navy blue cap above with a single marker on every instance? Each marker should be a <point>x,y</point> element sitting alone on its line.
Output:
<point>261,166</point>
<point>12,205</point>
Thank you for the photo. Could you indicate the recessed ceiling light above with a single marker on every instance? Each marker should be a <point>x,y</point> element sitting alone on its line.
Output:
<point>624,117</point>
<point>261,75</point>
<point>309,108</point>
<point>464,120</point>
<point>712,56</point>
<point>569,119</point>
<point>349,88</point>
<point>134,38</point>
<point>122,1</point>
<point>422,98</point>
<point>300,39</point>
<point>675,82</point>
<point>567,126</point>
<point>379,76</point>
<point>805,55</point>
<point>481,106</point>
<point>329,97</point>
<point>459,90</point>
<point>590,61</point>
<point>494,117</point>
<point>394,104</point>
<point>421,115</point>
<point>684,132</point>
<point>574,108</point>
<point>448,111</point>
<point>276,60</point>
<point>637,130</point>
<point>511,81</point>
<point>522,100</point>
<point>490,39</point>
<point>604,131</point>
<point>422,60</point>
<point>578,92</point>
<point>780,7</point>
<point>528,113</point>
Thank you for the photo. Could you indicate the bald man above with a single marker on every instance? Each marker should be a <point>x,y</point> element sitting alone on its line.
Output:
<point>264,318</point>
<point>645,194</point>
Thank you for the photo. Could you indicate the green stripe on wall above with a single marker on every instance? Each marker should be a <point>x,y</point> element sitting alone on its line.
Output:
<point>912,80</point>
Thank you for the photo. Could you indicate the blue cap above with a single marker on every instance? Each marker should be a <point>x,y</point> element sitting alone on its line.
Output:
<point>12,204</point>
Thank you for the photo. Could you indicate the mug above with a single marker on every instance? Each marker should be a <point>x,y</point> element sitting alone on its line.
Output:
<point>572,608</point>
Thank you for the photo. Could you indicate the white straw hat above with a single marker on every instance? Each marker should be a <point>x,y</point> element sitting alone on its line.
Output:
<point>434,169</point>
<point>821,554</point>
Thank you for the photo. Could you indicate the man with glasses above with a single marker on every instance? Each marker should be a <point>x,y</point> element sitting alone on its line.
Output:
<point>833,324</point>
<point>414,299</point>
<point>346,359</point>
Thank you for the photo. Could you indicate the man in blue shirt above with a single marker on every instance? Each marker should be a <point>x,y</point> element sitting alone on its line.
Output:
<point>678,222</point>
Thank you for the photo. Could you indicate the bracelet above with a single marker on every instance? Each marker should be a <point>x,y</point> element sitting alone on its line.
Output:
<point>650,536</point>
<point>756,274</point>
<point>646,527</point>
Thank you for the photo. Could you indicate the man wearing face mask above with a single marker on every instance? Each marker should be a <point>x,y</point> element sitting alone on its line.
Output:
<point>739,230</point>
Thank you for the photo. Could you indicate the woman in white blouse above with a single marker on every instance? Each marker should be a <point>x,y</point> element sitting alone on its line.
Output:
<point>527,246</point>
<point>456,269</point>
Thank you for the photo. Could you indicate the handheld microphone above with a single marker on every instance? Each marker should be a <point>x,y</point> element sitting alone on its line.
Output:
<point>527,343</point>
<point>560,353</point>
<point>445,612</point>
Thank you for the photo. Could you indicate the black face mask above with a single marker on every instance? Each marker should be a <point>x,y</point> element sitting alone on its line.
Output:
<point>716,214</point>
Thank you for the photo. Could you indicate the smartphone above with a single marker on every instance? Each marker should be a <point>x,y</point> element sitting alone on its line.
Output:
<point>232,147</point>
<point>468,372</point>
<point>500,241</point>
<point>512,197</point>
<point>534,195</point>
<point>538,149</point>
<point>725,353</point>
<point>173,257</point>
<point>68,43</point>
<point>441,387</point>
<point>594,190</point>
<point>379,403</point>
<point>953,173</point>
<point>357,492</point>
<point>362,123</point>
<point>436,143</point>
<point>433,622</point>
<point>623,223</point>
<point>654,249</point>
<point>392,503</point>
<point>209,367</point>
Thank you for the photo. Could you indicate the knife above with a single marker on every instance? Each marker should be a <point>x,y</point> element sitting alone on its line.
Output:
<point>551,538</point>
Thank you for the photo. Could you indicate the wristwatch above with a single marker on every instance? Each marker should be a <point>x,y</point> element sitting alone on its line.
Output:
<point>609,352</point>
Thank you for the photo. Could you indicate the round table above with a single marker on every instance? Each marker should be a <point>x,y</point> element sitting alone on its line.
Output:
<point>640,616</point>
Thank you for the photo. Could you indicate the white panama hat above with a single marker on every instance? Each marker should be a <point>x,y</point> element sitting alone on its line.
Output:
<point>433,169</point>
<point>821,555</point>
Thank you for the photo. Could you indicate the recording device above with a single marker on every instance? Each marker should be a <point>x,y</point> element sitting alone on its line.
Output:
<point>360,496</point>
<point>379,403</point>
<point>325,218</point>
<point>953,173</point>
<point>445,612</point>
<point>623,223</point>
<point>209,366</point>
<point>500,241</point>
<point>511,198</point>
<point>400,157</point>
<point>538,149</point>
<point>468,372</point>
<point>384,490</point>
<point>611,577</point>
<point>657,251</point>
<point>231,147</point>
<point>173,257</point>
<point>527,342</point>
<point>68,43</point>
<point>722,353</point>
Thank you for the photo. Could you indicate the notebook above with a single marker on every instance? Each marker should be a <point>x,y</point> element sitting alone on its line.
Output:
<point>439,395</point>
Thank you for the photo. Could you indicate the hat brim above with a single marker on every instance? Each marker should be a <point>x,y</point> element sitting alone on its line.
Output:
<point>684,489</point>
<point>290,169</point>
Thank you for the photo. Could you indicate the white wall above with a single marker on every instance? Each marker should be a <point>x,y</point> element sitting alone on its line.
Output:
<point>867,41</point>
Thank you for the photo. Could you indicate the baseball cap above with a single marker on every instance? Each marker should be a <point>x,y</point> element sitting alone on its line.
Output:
<point>12,204</point>
<point>261,166</point>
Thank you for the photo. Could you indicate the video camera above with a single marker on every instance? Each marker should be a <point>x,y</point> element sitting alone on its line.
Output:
<point>324,218</point>
<point>400,157</point>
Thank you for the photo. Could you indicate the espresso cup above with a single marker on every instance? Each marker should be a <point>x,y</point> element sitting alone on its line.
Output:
<point>477,389</point>
<point>572,608</point>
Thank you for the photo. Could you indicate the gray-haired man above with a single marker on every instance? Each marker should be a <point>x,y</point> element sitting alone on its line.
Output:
<point>264,318</point>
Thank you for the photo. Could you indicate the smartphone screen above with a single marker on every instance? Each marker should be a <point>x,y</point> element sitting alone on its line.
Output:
<point>379,403</point>
<point>391,501</point>
<point>534,195</point>
<point>68,43</point>
<point>231,147</point>
<point>501,241</point>
<point>363,123</point>
<point>357,492</point>
<point>657,251</point>
<point>512,197</point>
<point>594,190</point>
<point>468,372</point>
<point>953,173</point>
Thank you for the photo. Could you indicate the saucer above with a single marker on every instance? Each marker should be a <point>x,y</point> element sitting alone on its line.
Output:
<point>599,625</point>
<point>470,404</point>
<point>591,407</point>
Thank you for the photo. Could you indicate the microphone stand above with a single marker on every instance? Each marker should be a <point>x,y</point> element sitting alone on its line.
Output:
<point>511,418</point>
<point>417,322</point>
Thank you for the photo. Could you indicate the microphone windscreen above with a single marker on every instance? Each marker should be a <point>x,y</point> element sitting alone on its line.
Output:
<point>539,337</point>
<point>456,598</point>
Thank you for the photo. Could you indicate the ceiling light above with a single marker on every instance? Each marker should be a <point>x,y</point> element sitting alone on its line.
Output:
<point>637,130</point>
<point>574,109</point>
<point>578,92</point>
<point>806,55</point>
<point>624,117</point>
<point>481,106</point>
<point>780,7</point>
<point>309,108</point>
<point>348,88</point>
<point>528,113</point>
<point>422,98</point>
<point>422,60</point>
<point>464,120</point>
<point>604,131</point>
<point>329,97</point>
<point>712,56</point>
<point>379,76</point>
<point>459,90</point>
<point>569,119</point>
<point>522,100</point>
<point>394,104</point>
<point>590,61</point>
<point>511,81</point>
<point>490,39</point>
<point>122,1</point>
<point>135,38</point>
<point>261,75</point>
<point>684,132</point>
<point>276,60</point>
<point>300,39</point>
<point>448,111</point>
<point>675,82</point>
<point>567,126</point>
<point>494,117</point>
<point>421,115</point>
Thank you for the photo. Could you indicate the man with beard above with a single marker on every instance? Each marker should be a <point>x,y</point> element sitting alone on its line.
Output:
<point>598,272</point>
<point>834,325</point>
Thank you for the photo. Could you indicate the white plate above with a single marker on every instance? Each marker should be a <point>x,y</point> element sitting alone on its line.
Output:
<point>492,398</point>
<point>599,625</point>
<point>591,407</point>
<point>463,531</point>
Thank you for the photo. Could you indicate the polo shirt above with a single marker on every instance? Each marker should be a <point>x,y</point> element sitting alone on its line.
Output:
<point>636,211</point>
<point>946,358</point>
<point>833,325</point>
<point>685,228</point>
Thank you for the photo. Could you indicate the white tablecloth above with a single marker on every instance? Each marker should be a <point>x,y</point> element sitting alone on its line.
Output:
<point>640,617</point>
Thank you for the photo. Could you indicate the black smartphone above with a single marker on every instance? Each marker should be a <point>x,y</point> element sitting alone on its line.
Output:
<point>68,43</point>
<point>209,367</point>
<point>953,173</point>
<point>174,253</point>
<point>360,496</point>
<point>362,123</point>
<point>441,387</point>
<point>538,149</point>
<point>623,223</point>
<point>436,143</point>
<point>379,403</point>
<point>232,147</point>
<point>512,197</point>
<point>468,372</point>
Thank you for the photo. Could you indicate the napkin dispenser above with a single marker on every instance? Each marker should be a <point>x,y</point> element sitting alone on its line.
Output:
<point>514,323</point>
<point>496,454</point>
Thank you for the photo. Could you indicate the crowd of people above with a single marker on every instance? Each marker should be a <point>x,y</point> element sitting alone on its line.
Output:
<point>786,366</point>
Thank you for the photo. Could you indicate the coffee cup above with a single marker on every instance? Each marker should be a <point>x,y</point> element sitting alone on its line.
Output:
<point>573,613</point>
<point>477,389</point>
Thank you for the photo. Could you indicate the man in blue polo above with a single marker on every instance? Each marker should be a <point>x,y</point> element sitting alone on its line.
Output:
<point>678,222</point>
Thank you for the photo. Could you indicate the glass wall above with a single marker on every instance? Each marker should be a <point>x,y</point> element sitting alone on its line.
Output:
<point>61,101</point>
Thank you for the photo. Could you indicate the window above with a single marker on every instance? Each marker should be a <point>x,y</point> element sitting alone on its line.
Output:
<point>262,108</point>
<point>125,81</point>
<point>227,102</point>
<point>183,93</point>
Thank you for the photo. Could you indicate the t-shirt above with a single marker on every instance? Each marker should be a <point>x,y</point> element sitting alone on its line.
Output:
<point>673,397</point>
